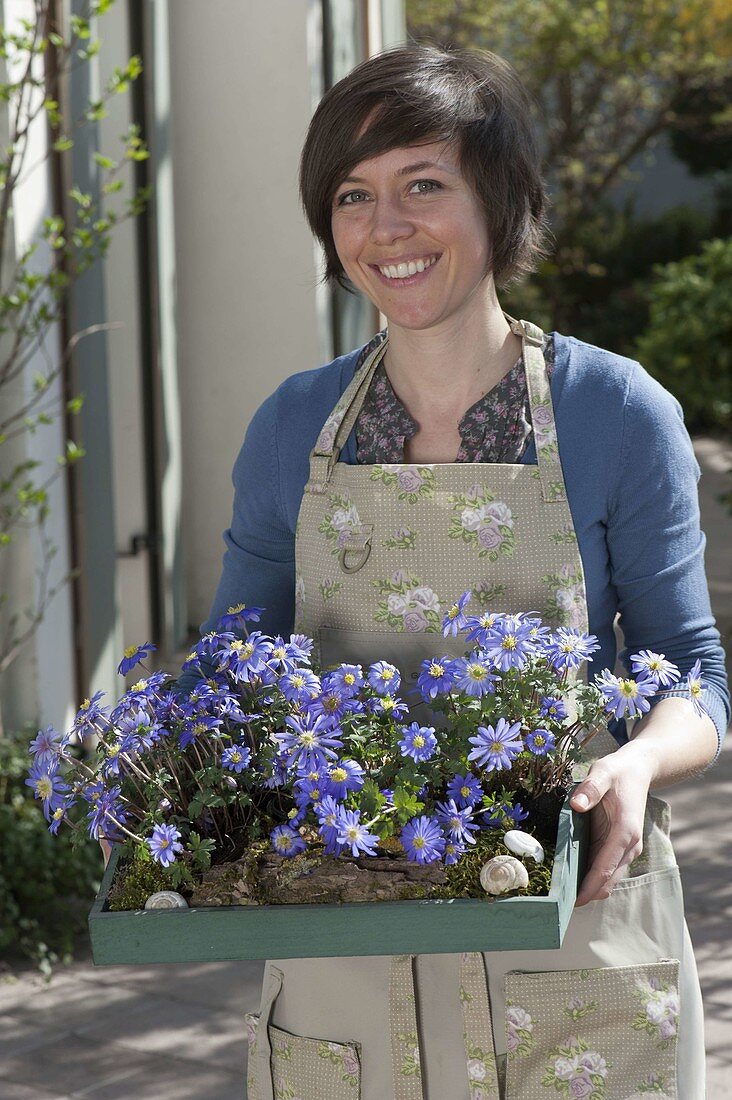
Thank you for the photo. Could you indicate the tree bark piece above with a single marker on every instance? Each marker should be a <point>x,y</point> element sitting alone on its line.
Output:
<point>310,878</point>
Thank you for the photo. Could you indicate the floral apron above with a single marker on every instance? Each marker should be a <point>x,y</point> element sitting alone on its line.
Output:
<point>381,552</point>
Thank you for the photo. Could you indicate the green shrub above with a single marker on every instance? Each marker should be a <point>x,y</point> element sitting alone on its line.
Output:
<point>47,884</point>
<point>687,344</point>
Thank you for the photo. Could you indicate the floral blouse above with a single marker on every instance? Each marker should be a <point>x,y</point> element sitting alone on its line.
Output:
<point>497,428</point>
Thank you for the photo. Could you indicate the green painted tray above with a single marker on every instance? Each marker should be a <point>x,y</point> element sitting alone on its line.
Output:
<point>370,928</point>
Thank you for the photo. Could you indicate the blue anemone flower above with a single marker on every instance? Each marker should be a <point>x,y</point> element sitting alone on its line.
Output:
<point>626,697</point>
<point>384,678</point>
<point>417,741</point>
<point>133,655</point>
<point>237,616</point>
<point>423,840</point>
<point>352,834</point>
<point>509,643</point>
<point>540,742</point>
<point>568,648</point>
<point>496,748</point>
<point>457,823</point>
<point>436,677</point>
<point>286,841</point>
<point>454,620</point>
<point>236,758</point>
<point>164,844</point>
<point>344,776</point>
<point>553,706</point>
<point>465,790</point>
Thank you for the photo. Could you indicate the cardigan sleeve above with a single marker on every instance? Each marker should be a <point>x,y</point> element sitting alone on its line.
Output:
<point>259,559</point>
<point>656,546</point>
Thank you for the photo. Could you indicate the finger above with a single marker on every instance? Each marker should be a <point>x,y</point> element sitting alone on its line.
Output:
<point>606,871</point>
<point>590,791</point>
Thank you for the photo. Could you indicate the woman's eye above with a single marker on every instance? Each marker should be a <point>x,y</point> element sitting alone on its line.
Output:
<point>349,198</point>
<point>424,187</point>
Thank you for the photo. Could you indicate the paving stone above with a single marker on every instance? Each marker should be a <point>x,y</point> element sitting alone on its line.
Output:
<point>72,1063</point>
<point>11,1091</point>
<point>158,1025</point>
<point>229,985</point>
<point>171,1080</point>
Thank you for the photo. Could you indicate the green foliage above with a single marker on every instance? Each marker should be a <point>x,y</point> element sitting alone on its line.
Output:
<point>687,345</point>
<point>141,878</point>
<point>46,888</point>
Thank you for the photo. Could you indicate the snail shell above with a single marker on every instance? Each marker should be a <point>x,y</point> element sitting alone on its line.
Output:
<point>166,899</point>
<point>523,844</point>
<point>503,873</point>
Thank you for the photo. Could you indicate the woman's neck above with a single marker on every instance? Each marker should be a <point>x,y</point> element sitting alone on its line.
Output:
<point>442,371</point>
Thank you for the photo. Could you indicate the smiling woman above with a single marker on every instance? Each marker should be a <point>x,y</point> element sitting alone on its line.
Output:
<point>462,450</point>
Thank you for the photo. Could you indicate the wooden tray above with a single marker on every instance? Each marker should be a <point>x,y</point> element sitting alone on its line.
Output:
<point>370,928</point>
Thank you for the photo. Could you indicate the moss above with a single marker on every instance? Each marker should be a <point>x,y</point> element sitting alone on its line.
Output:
<point>134,883</point>
<point>463,878</point>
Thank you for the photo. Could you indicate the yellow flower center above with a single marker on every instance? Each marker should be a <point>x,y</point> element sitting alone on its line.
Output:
<point>237,608</point>
<point>338,775</point>
<point>477,672</point>
<point>437,670</point>
<point>279,652</point>
<point>387,674</point>
<point>237,644</point>
<point>497,747</point>
<point>131,651</point>
<point>235,757</point>
<point>628,688</point>
<point>349,679</point>
<point>418,741</point>
<point>85,705</point>
<point>387,703</point>
<point>465,791</point>
<point>453,612</point>
<point>44,787</point>
<point>509,642</point>
<point>418,842</point>
<point>298,681</point>
<point>307,739</point>
<point>352,833</point>
<point>58,813</point>
<point>539,740</point>
<point>139,686</point>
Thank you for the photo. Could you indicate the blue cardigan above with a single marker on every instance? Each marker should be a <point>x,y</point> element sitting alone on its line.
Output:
<point>631,479</point>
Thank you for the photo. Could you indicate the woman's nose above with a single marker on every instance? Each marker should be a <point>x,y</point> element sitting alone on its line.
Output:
<point>389,222</point>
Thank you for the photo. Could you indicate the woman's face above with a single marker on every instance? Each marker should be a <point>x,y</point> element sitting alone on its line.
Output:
<point>411,234</point>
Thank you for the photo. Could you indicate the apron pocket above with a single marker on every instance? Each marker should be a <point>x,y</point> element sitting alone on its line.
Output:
<point>608,1033</point>
<point>306,1069</point>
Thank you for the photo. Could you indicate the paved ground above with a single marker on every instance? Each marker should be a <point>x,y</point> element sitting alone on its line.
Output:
<point>176,1032</point>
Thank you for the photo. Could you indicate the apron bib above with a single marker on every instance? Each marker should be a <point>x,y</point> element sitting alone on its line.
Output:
<point>381,552</point>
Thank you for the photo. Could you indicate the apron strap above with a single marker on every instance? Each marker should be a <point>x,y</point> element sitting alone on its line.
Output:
<point>406,1060</point>
<point>270,992</point>
<point>337,428</point>
<point>478,1028</point>
<point>542,410</point>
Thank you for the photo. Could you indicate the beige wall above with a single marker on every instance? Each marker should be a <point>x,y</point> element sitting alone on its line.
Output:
<point>246,278</point>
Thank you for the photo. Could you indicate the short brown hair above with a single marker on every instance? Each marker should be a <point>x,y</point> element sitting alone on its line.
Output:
<point>418,94</point>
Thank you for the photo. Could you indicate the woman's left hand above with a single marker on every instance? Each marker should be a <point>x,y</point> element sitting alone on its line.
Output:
<point>614,794</point>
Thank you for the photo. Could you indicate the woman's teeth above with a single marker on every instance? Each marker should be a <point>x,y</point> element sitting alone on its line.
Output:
<point>403,271</point>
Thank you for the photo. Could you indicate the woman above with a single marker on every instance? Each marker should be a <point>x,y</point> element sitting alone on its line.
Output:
<point>365,493</point>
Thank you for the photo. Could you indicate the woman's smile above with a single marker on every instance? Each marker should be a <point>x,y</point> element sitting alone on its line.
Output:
<point>398,273</point>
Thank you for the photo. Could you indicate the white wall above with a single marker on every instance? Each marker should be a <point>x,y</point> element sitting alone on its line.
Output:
<point>246,277</point>
<point>38,687</point>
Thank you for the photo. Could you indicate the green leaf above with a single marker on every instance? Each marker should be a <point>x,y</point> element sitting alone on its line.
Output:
<point>62,145</point>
